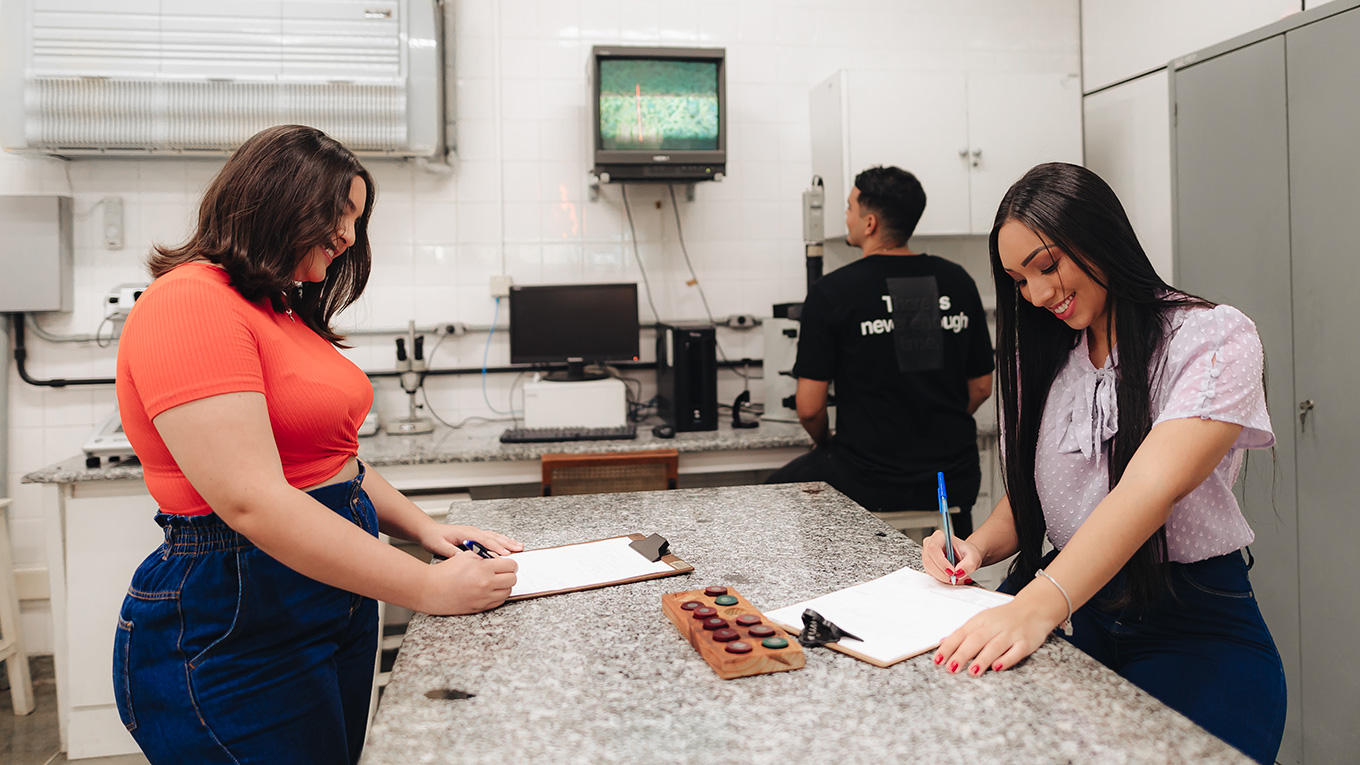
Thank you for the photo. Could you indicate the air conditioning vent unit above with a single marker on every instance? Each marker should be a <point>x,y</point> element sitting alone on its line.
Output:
<point>150,77</point>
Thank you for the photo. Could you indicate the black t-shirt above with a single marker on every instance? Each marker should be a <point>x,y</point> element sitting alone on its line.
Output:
<point>901,336</point>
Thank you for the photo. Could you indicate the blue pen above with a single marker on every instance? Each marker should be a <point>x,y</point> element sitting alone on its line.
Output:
<point>948,528</point>
<point>478,548</point>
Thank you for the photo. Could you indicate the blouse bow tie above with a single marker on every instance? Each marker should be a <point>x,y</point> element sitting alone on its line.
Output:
<point>1094,414</point>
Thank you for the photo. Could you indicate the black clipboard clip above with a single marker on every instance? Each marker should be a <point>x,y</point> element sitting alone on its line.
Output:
<point>819,630</point>
<point>652,547</point>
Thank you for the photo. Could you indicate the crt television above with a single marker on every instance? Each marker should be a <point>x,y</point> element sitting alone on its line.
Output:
<point>575,323</point>
<point>660,113</point>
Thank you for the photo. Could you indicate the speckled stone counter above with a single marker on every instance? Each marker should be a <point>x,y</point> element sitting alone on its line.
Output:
<point>603,676</point>
<point>480,443</point>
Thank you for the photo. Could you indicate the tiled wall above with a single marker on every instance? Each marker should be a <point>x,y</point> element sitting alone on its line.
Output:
<point>517,201</point>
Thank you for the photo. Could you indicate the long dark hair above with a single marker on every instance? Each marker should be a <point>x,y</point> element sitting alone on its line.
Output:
<point>1074,209</point>
<point>281,194</point>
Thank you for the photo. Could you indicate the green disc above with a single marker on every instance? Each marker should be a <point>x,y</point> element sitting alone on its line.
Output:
<point>725,600</point>
<point>775,642</point>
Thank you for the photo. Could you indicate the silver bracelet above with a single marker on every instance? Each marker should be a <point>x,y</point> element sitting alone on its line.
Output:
<point>1066,625</point>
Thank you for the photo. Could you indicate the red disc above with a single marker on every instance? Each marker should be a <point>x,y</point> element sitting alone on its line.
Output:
<point>715,591</point>
<point>748,620</point>
<point>724,635</point>
<point>690,605</point>
<point>705,612</point>
<point>762,631</point>
<point>739,647</point>
<point>715,623</point>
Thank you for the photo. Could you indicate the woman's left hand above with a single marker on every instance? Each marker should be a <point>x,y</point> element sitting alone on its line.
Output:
<point>996,639</point>
<point>443,540</point>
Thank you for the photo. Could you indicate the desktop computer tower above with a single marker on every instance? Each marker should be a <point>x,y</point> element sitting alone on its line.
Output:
<point>687,376</point>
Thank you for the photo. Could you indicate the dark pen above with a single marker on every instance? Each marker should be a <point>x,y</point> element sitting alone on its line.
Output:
<point>477,547</point>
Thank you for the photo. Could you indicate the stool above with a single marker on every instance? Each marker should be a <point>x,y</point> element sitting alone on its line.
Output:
<point>11,638</point>
<point>915,523</point>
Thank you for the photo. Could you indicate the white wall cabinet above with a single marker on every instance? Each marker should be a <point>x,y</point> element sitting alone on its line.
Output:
<point>966,136</point>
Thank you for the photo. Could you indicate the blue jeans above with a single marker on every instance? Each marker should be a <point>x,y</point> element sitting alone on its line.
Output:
<point>225,655</point>
<point>1206,652</point>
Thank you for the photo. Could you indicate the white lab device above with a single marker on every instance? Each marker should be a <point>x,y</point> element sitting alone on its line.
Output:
<point>108,444</point>
<point>781,349</point>
<point>576,403</point>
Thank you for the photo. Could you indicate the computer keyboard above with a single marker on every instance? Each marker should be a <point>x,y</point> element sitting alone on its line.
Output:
<point>539,435</point>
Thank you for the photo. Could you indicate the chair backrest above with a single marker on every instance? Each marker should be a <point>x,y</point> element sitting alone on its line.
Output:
<point>609,472</point>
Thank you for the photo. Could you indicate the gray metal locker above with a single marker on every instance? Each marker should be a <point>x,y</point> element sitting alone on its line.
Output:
<point>1231,179</point>
<point>1266,176</point>
<point>1324,203</point>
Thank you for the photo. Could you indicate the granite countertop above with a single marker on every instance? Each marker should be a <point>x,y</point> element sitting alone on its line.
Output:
<point>603,676</point>
<point>480,442</point>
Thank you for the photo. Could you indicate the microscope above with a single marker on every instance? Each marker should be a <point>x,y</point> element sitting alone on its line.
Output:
<point>412,368</point>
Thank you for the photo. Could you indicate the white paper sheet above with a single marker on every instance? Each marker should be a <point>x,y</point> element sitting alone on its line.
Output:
<point>563,568</point>
<point>898,615</point>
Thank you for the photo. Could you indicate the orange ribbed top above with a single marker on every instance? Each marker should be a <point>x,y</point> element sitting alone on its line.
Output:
<point>191,336</point>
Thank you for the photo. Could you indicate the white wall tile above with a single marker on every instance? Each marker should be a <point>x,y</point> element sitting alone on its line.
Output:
<point>523,222</point>
<point>478,181</point>
<point>521,180</point>
<point>437,221</point>
<point>392,220</point>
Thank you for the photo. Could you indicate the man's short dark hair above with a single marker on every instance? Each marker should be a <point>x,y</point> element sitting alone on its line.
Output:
<point>896,197</point>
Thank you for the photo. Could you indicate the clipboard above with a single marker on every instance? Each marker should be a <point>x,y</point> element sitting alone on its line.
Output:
<point>598,563</point>
<point>897,616</point>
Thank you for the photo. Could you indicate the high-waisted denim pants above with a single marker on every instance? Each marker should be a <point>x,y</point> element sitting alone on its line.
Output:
<point>225,655</point>
<point>1206,652</point>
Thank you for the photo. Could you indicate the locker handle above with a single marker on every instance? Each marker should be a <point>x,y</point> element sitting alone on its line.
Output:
<point>1305,407</point>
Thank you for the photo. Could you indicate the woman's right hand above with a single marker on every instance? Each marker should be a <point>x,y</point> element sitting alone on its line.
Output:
<point>967,555</point>
<point>467,583</point>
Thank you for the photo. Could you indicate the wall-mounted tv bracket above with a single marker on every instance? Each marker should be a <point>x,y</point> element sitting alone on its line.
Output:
<point>596,180</point>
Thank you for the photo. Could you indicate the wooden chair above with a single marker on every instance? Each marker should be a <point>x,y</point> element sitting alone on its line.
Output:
<point>11,639</point>
<point>602,473</point>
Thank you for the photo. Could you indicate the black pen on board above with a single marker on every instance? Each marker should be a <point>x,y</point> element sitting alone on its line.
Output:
<point>477,547</point>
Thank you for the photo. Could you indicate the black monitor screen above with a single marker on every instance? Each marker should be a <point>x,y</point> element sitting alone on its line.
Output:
<point>594,322</point>
<point>663,104</point>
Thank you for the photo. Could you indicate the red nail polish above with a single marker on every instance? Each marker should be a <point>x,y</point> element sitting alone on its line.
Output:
<point>939,657</point>
<point>997,666</point>
<point>976,669</point>
<point>968,581</point>
<point>953,666</point>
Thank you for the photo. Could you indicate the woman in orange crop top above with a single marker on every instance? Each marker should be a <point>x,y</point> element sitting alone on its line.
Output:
<point>249,635</point>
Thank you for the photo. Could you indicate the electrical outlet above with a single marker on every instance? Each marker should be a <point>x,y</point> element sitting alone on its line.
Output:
<point>113,223</point>
<point>500,285</point>
<point>118,302</point>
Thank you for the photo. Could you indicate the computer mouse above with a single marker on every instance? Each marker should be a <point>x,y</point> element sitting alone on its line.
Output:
<point>663,431</point>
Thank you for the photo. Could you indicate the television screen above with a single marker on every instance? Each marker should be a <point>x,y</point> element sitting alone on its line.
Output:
<point>554,323</point>
<point>658,104</point>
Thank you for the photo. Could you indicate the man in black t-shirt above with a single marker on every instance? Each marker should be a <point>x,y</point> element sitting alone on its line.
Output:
<point>904,337</point>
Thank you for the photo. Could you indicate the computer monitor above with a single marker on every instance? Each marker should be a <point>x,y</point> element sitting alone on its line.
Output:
<point>575,323</point>
<point>659,113</point>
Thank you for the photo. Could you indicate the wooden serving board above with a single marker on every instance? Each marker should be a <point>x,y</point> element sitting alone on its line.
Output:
<point>716,644</point>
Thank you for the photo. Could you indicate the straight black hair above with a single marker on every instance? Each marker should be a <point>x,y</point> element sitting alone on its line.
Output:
<point>896,197</point>
<point>1075,210</point>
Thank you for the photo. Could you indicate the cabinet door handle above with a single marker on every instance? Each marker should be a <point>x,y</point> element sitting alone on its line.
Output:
<point>1305,407</point>
<point>977,153</point>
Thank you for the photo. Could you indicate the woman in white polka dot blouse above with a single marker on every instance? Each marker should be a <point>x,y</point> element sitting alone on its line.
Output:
<point>1125,409</point>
